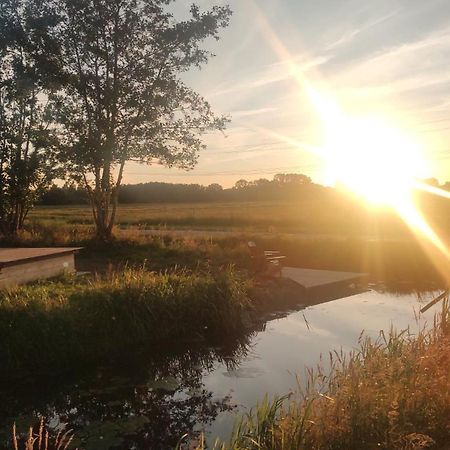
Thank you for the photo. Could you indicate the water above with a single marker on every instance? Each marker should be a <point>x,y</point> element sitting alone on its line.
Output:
<point>150,402</point>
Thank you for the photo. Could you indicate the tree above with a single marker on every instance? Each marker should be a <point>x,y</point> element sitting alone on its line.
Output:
<point>214,187</point>
<point>260,182</point>
<point>124,99</point>
<point>241,184</point>
<point>292,178</point>
<point>27,143</point>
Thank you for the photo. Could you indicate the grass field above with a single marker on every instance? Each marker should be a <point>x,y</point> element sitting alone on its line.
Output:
<point>304,216</point>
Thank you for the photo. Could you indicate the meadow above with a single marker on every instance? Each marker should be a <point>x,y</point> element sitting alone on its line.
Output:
<point>304,216</point>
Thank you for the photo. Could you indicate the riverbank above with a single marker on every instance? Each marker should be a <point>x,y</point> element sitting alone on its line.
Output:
<point>151,403</point>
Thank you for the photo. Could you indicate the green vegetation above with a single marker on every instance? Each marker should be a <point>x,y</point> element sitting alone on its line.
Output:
<point>50,326</point>
<point>141,293</point>
<point>392,393</point>
<point>177,291</point>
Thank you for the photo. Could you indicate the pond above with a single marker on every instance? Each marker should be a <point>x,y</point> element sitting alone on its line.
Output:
<point>149,402</point>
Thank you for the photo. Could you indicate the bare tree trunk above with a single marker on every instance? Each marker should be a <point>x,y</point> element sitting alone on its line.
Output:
<point>102,215</point>
<point>115,196</point>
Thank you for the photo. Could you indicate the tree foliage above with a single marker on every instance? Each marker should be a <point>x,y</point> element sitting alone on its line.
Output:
<point>27,142</point>
<point>124,98</point>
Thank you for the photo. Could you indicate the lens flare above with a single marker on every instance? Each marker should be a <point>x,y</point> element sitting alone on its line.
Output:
<point>372,158</point>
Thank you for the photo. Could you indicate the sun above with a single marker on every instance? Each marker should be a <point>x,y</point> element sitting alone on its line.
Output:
<point>373,159</point>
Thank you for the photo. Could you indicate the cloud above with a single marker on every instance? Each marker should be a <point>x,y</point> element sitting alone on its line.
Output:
<point>268,75</point>
<point>252,112</point>
<point>414,66</point>
<point>349,35</point>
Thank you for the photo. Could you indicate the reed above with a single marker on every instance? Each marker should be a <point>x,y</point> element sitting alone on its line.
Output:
<point>40,439</point>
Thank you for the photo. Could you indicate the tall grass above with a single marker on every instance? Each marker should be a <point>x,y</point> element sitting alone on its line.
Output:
<point>54,325</point>
<point>392,393</point>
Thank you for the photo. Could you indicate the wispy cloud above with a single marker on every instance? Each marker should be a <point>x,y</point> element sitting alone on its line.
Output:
<point>387,58</point>
<point>414,66</point>
<point>349,35</point>
<point>268,75</point>
<point>252,112</point>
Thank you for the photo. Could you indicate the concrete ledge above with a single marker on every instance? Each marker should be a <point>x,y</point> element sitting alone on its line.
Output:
<point>312,278</point>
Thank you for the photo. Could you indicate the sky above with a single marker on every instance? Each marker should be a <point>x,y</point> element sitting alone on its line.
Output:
<point>383,59</point>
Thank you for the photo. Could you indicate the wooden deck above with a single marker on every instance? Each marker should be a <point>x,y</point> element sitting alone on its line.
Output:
<point>310,278</point>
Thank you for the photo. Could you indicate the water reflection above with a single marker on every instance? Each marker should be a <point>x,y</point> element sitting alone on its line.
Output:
<point>147,403</point>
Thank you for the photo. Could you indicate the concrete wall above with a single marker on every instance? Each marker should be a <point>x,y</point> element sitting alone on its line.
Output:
<point>36,270</point>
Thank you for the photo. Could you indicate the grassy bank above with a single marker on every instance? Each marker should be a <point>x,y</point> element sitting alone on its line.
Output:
<point>54,325</point>
<point>392,393</point>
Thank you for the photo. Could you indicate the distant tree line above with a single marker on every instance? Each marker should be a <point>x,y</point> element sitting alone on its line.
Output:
<point>281,187</point>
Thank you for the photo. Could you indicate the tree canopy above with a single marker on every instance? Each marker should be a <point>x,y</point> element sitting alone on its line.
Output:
<point>123,97</point>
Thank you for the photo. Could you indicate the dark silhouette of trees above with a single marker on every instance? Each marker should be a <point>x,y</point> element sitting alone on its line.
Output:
<point>292,178</point>
<point>69,194</point>
<point>27,141</point>
<point>282,187</point>
<point>241,184</point>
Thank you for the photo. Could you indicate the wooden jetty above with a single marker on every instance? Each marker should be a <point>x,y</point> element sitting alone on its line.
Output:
<point>21,265</point>
<point>312,278</point>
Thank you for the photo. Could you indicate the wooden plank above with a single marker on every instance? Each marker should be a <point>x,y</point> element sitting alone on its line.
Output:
<point>433,302</point>
<point>311,278</point>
